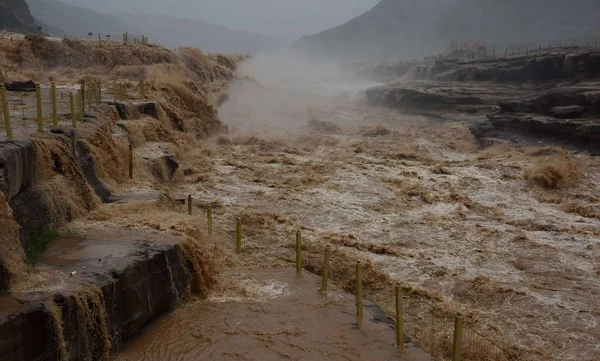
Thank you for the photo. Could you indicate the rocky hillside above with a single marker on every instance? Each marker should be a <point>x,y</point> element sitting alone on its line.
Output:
<point>15,16</point>
<point>391,28</point>
<point>410,29</point>
<point>499,23</point>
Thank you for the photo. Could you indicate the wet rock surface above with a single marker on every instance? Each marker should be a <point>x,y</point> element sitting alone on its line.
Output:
<point>22,86</point>
<point>537,130</point>
<point>160,160</point>
<point>86,163</point>
<point>26,331</point>
<point>436,95</point>
<point>420,97</point>
<point>577,64</point>
<point>567,114</point>
<point>17,159</point>
<point>122,109</point>
<point>526,99</point>
<point>114,283</point>
<point>33,209</point>
<point>148,108</point>
<point>569,111</point>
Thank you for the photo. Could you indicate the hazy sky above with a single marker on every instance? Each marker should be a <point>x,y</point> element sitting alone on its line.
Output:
<point>279,17</point>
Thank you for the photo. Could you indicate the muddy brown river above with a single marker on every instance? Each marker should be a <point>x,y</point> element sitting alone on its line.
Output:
<point>412,194</point>
<point>275,316</point>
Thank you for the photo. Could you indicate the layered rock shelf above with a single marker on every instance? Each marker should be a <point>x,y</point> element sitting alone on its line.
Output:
<point>100,289</point>
<point>554,97</point>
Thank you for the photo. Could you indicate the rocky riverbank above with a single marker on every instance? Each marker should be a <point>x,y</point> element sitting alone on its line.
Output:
<point>554,96</point>
<point>74,284</point>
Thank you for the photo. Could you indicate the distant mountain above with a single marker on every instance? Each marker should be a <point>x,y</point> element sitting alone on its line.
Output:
<point>169,31</point>
<point>504,22</point>
<point>173,32</point>
<point>76,21</point>
<point>415,28</point>
<point>15,16</point>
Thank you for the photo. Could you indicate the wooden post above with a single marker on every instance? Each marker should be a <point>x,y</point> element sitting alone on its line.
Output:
<point>83,92</point>
<point>54,110</point>
<point>399,318</point>
<point>99,41</point>
<point>209,220</point>
<point>72,105</point>
<point>81,106</point>
<point>458,331</point>
<point>519,51</point>
<point>238,240</point>
<point>298,253</point>
<point>90,95</point>
<point>38,103</point>
<point>540,49</point>
<point>114,90</point>
<point>189,204</point>
<point>326,270</point>
<point>74,144</point>
<point>359,292</point>
<point>5,112</point>
<point>505,52</point>
<point>78,104</point>
<point>493,53</point>
<point>130,162</point>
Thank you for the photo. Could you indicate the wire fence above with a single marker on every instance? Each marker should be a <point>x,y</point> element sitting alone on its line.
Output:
<point>428,327</point>
<point>524,49</point>
<point>40,107</point>
<point>435,331</point>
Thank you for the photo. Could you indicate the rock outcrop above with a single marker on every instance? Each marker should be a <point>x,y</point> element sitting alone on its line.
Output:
<point>435,95</point>
<point>567,114</point>
<point>127,289</point>
<point>419,97</point>
<point>22,86</point>
<point>12,255</point>
<point>17,164</point>
<point>577,65</point>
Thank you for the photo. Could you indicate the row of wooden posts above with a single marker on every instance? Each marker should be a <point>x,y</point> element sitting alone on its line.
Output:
<point>143,40</point>
<point>77,102</point>
<point>458,321</point>
<point>539,50</point>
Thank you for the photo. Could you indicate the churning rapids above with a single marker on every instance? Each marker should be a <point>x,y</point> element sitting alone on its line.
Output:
<point>410,193</point>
